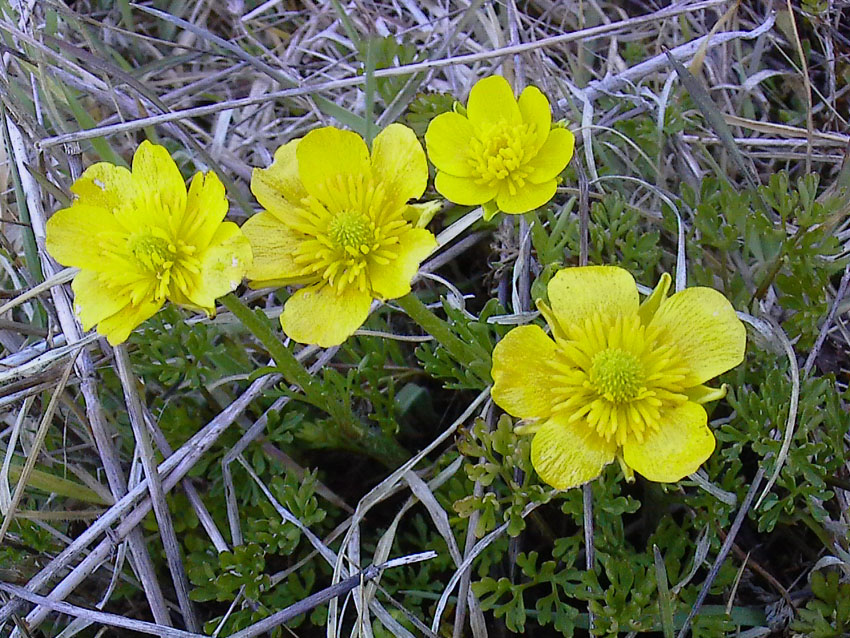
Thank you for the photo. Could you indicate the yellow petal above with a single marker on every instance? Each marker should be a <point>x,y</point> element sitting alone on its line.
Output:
<point>327,154</point>
<point>527,198</point>
<point>554,325</point>
<point>521,377</point>
<point>392,280</point>
<point>320,315</point>
<point>398,162</point>
<point>274,246</point>
<point>105,185</point>
<point>95,299</point>
<point>535,111</point>
<point>223,265</point>
<point>677,449</point>
<point>118,327</point>
<point>553,156</point>
<point>702,325</point>
<point>75,236</point>
<point>567,454</point>
<point>491,102</point>
<point>155,172</point>
<point>463,190</point>
<point>206,206</point>
<point>448,138</point>
<point>278,188</point>
<point>651,304</point>
<point>576,294</point>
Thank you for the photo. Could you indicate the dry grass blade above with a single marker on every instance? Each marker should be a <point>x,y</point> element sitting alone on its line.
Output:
<point>92,616</point>
<point>32,458</point>
<point>157,495</point>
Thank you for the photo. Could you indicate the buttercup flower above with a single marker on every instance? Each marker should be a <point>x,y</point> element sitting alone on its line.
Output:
<point>337,219</point>
<point>617,379</point>
<point>139,238</point>
<point>502,153</point>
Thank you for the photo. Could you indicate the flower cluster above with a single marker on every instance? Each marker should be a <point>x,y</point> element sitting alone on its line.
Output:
<point>615,378</point>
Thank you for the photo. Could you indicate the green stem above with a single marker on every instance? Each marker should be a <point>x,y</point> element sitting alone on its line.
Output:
<point>289,366</point>
<point>367,440</point>
<point>477,359</point>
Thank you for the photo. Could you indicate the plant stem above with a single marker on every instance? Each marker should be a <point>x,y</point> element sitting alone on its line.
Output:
<point>474,357</point>
<point>359,436</point>
<point>289,366</point>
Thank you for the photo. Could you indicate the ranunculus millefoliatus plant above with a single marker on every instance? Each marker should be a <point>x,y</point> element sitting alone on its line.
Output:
<point>337,219</point>
<point>499,152</point>
<point>139,239</point>
<point>617,379</point>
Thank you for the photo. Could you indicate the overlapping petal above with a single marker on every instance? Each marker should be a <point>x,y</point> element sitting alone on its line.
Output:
<point>492,102</point>
<point>278,188</point>
<point>320,314</point>
<point>552,157</point>
<point>464,191</point>
<point>223,264</point>
<point>327,155</point>
<point>156,174</point>
<point>703,326</point>
<point>527,198</point>
<point>399,163</point>
<point>104,185</point>
<point>576,294</point>
<point>447,139</point>
<point>95,299</point>
<point>75,235</point>
<point>392,280</point>
<point>682,443</point>
<point>274,246</point>
<point>116,328</point>
<point>521,375</point>
<point>536,113</point>
<point>206,206</point>
<point>568,454</point>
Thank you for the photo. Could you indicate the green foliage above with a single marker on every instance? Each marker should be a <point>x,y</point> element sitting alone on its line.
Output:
<point>475,331</point>
<point>618,235</point>
<point>827,614</point>
<point>388,53</point>
<point>505,456</point>
<point>425,108</point>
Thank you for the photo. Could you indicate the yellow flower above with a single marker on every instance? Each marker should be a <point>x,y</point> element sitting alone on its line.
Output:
<point>140,239</point>
<point>336,218</point>
<point>618,379</point>
<point>502,153</point>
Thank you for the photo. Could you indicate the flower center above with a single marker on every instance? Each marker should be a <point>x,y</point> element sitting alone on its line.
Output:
<point>351,231</point>
<point>617,375</point>
<point>499,155</point>
<point>166,263</point>
<point>154,254</point>
<point>355,226</point>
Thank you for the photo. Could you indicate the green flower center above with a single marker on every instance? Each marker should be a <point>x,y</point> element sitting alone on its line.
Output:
<point>168,263</point>
<point>499,155</point>
<point>351,231</point>
<point>617,375</point>
<point>155,254</point>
